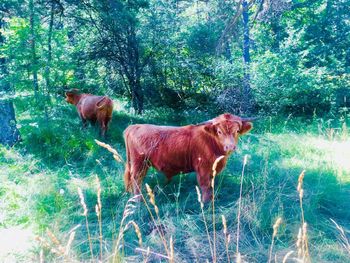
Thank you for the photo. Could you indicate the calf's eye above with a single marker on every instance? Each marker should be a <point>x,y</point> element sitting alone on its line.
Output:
<point>219,132</point>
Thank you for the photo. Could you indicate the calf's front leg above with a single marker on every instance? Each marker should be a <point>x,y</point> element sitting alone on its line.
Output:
<point>204,181</point>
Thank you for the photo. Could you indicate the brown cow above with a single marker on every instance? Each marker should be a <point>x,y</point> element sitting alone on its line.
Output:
<point>92,108</point>
<point>174,150</point>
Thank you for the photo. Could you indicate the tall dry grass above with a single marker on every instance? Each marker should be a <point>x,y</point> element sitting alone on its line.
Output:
<point>129,210</point>
<point>302,241</point>
<point>238,254</point>
<point>83,204</point>
<point>168,248</point>
<point>63,251</point>
<point>98,209</point>
<point>274,234</point>
<point>56,247</point>
<point>168,254</point>
<point>226,236</point>
<point>159,229</point>
<point>343,238</point>
<point>204,220</point>
<point>215,164</point>
<point>109,148</point>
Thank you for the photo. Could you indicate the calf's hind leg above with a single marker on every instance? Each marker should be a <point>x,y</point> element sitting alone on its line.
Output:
<point>103,120</point>
<point>104,125</point>
<point>138,170</point>
<point>103,129</point>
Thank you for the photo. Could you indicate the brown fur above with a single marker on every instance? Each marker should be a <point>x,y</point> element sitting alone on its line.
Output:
<point>173,150</point>
<point>92,108</point>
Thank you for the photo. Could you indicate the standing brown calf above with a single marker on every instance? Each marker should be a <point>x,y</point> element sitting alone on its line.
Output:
<point>92,108</point>
<point>174,150</point>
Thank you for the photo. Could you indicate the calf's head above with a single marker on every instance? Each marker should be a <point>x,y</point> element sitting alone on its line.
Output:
<point>72,96</point>
<point>226,130</point>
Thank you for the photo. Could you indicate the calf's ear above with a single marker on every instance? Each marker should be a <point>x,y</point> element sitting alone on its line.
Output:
<point>246,127</point>
<point>210,127</point>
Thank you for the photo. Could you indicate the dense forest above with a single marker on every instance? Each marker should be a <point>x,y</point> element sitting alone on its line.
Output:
<point>175,62</point>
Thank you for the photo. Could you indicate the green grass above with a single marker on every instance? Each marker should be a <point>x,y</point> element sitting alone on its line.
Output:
<point>40,177</point>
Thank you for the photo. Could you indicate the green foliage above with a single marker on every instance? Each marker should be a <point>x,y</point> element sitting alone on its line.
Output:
<point>169,57</point>
<point>280,90</point>
<point>202,40</point>
<point>166,53</point>
<point>301,69</point>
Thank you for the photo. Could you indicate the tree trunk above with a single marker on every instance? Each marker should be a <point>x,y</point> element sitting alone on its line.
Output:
<point>9,133</point>
<point>247,102</point>
<point>136,93</point>
<point>46,93</point>
<point>134,75</point>
<point>227,51</point>
<point>33,51</point>
<point>49,50</point>
<point>138,97</point>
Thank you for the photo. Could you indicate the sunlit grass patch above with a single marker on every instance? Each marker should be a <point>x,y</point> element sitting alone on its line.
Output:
<point>16,244</point>
<point>315,153</point>
<point>15,173</point>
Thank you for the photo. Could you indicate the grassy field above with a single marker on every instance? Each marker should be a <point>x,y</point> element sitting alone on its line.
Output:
<point>40,178</point>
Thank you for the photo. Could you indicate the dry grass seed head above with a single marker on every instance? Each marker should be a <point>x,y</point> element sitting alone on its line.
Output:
<point>137,230</point>
<point>215,164</point>
<point>245,159</point>
<point>276,226</point>
<point>46,245</point>
<point>299,242</point>
<point>304,237</point>
<point>304,230</point>
<point>69,243</point>
<point>55,241</point>
<point>300,181</point>
<point>224,224</point>
<point>82,201</point>
<point>130,207</point>
<point>116,155</point>
<point>97,211</point>
<point>199,197</point>
<point>151,198</point>
<point>99,190</point>
<point>53,237</point>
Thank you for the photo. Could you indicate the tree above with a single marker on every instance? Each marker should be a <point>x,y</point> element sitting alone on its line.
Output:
<point>115,40</point>
<point>246,92</point>
<point>9,133</point>
<point>33,48</point>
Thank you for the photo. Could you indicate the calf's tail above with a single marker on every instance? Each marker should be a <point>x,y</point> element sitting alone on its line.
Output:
<point>105,104</point>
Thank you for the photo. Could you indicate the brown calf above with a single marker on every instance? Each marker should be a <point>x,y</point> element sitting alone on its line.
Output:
<point>92,108</point>
<point>174,150</point>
